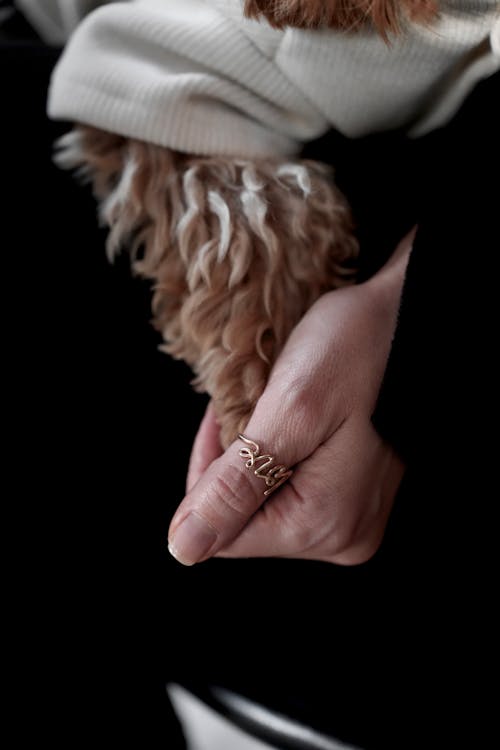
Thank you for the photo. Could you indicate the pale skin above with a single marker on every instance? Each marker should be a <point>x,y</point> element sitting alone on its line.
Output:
<point>314,416</point>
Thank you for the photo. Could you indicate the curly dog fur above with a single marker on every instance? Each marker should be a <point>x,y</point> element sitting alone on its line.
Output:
<point>237,250</point>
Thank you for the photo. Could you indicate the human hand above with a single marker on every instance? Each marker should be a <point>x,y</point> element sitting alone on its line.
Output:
<point>314,415</point>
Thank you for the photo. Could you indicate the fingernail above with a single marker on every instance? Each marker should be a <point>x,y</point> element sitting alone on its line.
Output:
<point>192,540</point>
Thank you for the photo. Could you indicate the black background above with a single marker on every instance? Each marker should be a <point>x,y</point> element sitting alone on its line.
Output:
<point>98,427</point>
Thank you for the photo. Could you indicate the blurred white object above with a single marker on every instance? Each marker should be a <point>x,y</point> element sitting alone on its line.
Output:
<point>205,729</point>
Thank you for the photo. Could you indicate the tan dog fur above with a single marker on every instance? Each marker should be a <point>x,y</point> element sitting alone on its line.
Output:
<point>237,250</point>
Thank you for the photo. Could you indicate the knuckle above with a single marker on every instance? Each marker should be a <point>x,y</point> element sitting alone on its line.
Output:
<point>303,408</point>
<point>232,496</point>
<point>299,407</point>
<point>304,529</point>
<point>358,555</point>
<point>343,540</point>
<point>300,398</point>
<point>351,547</point>
<point>300,538</point>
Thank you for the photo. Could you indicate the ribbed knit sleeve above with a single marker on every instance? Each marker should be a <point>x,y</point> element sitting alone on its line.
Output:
<point>180,74</point>
<point>416,82</point>
<point>198,77</point>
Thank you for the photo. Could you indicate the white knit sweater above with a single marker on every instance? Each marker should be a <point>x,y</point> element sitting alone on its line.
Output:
<point>194,75</point>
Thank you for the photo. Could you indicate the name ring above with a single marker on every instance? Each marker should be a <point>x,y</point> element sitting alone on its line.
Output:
<point>264,465</point>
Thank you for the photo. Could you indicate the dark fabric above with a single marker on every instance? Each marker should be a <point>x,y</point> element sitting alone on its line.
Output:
<point>443,349</point>
<point>391,654</point>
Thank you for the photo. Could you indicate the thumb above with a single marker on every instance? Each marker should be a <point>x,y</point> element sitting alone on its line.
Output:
<point>232,489</point>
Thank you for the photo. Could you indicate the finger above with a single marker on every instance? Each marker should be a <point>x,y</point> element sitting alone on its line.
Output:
<point>292,523</point>
<point>338,515</point>
<point>229,493</point>
<point>206,447</point>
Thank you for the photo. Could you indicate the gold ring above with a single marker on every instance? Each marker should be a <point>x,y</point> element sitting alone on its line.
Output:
<point>273,474</point>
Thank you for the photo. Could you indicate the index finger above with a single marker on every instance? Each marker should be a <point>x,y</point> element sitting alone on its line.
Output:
<point>206,447</point>
<point>231,490</point>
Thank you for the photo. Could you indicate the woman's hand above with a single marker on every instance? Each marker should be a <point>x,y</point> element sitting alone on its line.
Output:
<point>315,416</point>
